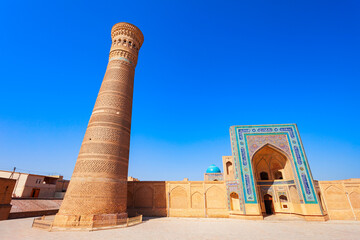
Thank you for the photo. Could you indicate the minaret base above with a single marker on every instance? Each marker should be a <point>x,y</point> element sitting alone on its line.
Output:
<point>89,221</point>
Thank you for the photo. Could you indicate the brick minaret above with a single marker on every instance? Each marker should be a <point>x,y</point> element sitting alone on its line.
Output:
<point>98,186</point>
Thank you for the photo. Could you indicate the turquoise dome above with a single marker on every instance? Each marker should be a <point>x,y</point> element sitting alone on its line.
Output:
<point>213,169</point>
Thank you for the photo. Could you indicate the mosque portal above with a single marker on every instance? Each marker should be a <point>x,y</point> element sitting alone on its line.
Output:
<point>269,172</point>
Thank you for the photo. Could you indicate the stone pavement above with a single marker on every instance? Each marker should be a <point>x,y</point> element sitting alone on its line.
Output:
<point>196,228</point>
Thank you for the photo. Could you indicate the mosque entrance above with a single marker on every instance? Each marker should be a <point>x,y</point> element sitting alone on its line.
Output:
<point>268,204</point>
<point>272,171</point>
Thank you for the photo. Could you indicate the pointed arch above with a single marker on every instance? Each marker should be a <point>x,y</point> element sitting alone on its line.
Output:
<point>197,200</point>
<point>336,198</point>
<point>178,198</point>
<point>274,148</point>
<point>262,161</point>
<point>213,187</point>
<point>234,202</point>
<point>332,186</point>
<point>262,166</point>
<point>279,165</point>
<point>177,188</point>
<point>229,168</point>
<point>215,197</point>
<point>355,200</point>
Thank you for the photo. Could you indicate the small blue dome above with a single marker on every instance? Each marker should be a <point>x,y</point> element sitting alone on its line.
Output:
<point>213,169</point>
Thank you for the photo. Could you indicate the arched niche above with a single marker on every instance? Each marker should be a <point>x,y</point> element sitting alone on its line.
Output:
<point>197,200</point>
<point>229,168</point>
<point>336,199</point>
<point>178,198</point>
<point>284,202</point>
<point>234,201</point>
<point>215,198</point>
<point>272,161</point>
<point>355,200</point>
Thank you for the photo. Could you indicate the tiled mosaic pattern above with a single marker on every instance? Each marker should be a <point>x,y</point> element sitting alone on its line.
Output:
<point>255,142</point>
<point>214,176</point>
<point>234,186</point>
<point>246,140</point>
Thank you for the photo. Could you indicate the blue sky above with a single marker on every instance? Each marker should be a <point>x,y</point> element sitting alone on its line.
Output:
<point>204,66</point>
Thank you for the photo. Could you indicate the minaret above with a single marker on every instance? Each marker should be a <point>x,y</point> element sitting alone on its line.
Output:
<point>98,186</point>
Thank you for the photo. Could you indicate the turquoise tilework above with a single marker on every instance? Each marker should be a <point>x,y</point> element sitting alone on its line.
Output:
<point>243,164</point>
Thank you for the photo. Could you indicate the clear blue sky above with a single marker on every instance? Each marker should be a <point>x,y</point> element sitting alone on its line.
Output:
<point>204,66</point>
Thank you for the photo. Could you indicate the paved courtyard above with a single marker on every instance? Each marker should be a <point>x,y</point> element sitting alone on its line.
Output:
<point>197,228</point>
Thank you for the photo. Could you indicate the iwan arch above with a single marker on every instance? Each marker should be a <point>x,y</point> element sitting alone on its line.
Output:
<point>272,172</point>
<point>272,169</point>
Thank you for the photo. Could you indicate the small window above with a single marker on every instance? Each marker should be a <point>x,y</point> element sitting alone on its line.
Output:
<point>229,168</point>
<point>285,206</point>
<point>264,176</point>
<point>283,198</point>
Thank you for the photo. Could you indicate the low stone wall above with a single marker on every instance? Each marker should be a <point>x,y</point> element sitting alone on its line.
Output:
<point>178,198</point>
<point>341,199</point>
<point>147,198</point>
<point>197,199</point>
<point>94,223</point>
